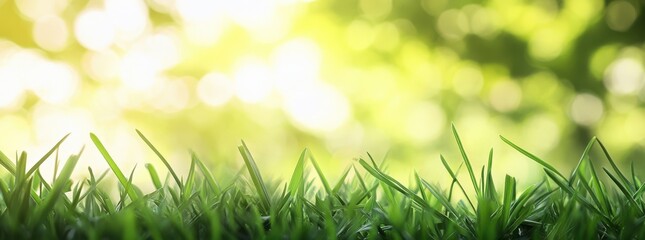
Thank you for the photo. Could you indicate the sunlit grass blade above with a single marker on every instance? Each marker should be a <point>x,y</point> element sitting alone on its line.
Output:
<point>162,158</point>
<point>154,176</point>
<point>509,197</point>
<point>341,180</point>
<point>455,180</point>
<point>208,176</point>
<point>7,164</point>
<point>532,157</point>
<point>57,188</point>
<point>113,166</point>
<point>319,171</point>
<point>297,178</point>
<point>469,167</point>
<point>598,188</point>
<point>190,180</point>
<point>405,191</point>
<point>622,188</point>
<point>440,196</point>
<point>560,181</point>
<point>49,153</point>
<point>127,188</point>
<point>489,188</point>
<point>622,177</point>
<point>255,176</point>
<point>585,153</point>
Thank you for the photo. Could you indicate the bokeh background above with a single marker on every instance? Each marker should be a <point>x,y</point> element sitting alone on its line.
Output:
<point>341,77</point>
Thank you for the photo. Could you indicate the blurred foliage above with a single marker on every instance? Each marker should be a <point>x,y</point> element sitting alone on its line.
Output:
<point>340,77</point>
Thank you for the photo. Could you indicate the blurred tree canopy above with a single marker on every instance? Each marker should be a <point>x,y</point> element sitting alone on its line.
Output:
<point>341,77</point>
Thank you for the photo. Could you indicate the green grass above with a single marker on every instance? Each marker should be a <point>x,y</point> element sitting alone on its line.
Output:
<point>590,203</point>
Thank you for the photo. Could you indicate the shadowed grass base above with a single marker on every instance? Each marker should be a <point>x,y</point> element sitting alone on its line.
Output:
<point>369,205</point>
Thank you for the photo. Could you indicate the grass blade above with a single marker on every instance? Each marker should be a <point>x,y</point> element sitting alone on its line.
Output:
<point>469,167</point>
<point>532,157</point>
<point>210,180</point>
<point>321,175</point>
<point>297,178</point>
<point>57,188</point>
<point>154,176</point>
<point>163,159</point>
<point>622,177</point>
<point>255,176</point>
<point>49,153</point>
<point>7,164</point>
<point>584,154</point>
<point>113,166</point>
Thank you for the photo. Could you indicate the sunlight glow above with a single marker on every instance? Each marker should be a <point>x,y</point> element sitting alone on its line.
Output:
<point>50,33</point>
<point>139,71</point>
<point>215,89</point>
<point>34,9</point>
<point>586,109</point>
<point>505,96</point>
<point>203,21</point>
<point>320,108</point>
<point>129,17</point>
<point>543,133</point>
<point>468,81</point>
<point>94,29</point>
<point>101,66</point>
<point>624,76</point>
<point>296,64</point>
<point>253,81</point>
<point>168,95</point>
<point>252,14</point>
<point>11,89</point>
<point>425,122</point>
<point>55,83</point>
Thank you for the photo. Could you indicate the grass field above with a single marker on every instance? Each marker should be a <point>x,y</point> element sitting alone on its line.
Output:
<point>369,205</point>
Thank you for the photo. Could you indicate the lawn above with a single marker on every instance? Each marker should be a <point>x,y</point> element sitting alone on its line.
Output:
<point>588,203</point>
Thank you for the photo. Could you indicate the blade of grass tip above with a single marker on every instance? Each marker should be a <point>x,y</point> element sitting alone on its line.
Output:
<point>210,180</point>
<point>622,187</point>
<point>639,191</point>
<point>598,187</point>
<point>56,165</point>
<point>509,196</point>
<point>126,189</point>
<point>154,176</point>
<point>255,176</point>
<point>490,185</point>
<point>57,188</point>
<point>441,198</point>
<point>360,179</point>
<point>21,165</point>
<point>162,158</point>
<point>115,168</point>
<point>532,157</point>
<point>582,158</point>
<point>341,181</point>
<point>622,177</point>
<point>372,160</point>
<point>466,160</point>
<point>420,186</point>
<point>7,164</point>
<point>454,179</point>
<point>591,192</point>
<point>563,184</point>
<point>320,175</point>
<point>634,179</point>
<point>49,153</point>
<point>297,178</point>
<point>190,181</point>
